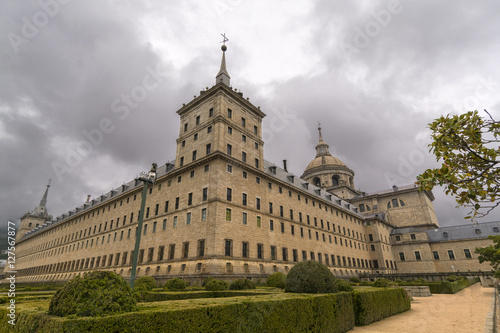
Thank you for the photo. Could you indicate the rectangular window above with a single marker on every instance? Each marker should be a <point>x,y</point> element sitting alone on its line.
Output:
<point>175,222</point>
<point>209,129</point>
<point>229,194</point>
<point>171,251</point>
<point>205,194</point>
<point>281,211</point>
<point>285,254</point>
<point>282,227</point>
<point>245,175</point>
<point>190,199</point>
<point>211,112</point>
<point>203,214</point>
<point>185,249</point>
<point>228,248</point>
<point>244,138</point>
<point>164,224</point>
<point>304,255</point>
<point>244,219</point>
<point>177,203</point>
<point>417,255</point>
<point>244,199</point>
<point>436,255</point>
<point>257,163</point>
<point>197,120</point>
<point>257,203</point>
<point>228,214</point>
<point>270,208</point>
<point>243,156</point>
<point>273,252</point>
<point>451,255</point>
<point>154,226</point>
<point>244,250</point>
<point>467,254</point>
<point>402,256</point>
<point>412,236</point>
<point>229,113</point>
<point>229,149</point>
<point>271,225</point>
<point>182,161</point>
<point>201,247</point>
<point>260,251</point>
<point>258,222</point>
<point>209,148</point>
<point>188,218</point>
<point>255,130</point>
<point>291,214</point>
<point>295,255</point>
<point>243,121</point>
<point>150,253</point>
<point>229,168</point>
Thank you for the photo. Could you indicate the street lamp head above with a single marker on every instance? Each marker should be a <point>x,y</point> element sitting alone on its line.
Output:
<point>150,176</point>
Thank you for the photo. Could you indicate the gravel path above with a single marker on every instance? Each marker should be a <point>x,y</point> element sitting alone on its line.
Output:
<point>464,311</point>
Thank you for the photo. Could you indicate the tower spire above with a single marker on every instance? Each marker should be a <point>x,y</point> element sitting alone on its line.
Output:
<point>322,146</point>
<point>319,129</point>
<point>41,210</point>
<point>223,75</point>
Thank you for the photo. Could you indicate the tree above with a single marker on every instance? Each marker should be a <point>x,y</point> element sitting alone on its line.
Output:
<point>468,146</point>
<point>491,253</point>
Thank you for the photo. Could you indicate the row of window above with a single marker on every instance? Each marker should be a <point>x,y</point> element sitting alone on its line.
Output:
<point>229,115</point>
<point>435,255</point>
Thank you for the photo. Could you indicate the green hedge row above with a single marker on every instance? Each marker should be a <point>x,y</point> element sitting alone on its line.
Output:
<point>443,287</point>
<point>166,296</point>
<point>297,313</point>
<point>373,305</point>
<point>446,287</point>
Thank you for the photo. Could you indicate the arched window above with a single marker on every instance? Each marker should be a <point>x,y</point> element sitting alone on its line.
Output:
<point>317,182</point>
<point>401,203</point>
<point>335,180</point>
<point>389,204</point>
<point>395,203</point>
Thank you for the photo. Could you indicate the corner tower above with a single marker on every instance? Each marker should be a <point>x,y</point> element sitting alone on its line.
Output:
<point>35,218</point>
<point>329,172</point>
<point>220,120</point>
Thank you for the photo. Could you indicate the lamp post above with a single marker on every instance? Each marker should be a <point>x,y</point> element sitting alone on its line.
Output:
<point>147,178</point>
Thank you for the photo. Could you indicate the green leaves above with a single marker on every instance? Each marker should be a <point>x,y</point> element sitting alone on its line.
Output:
<point>468,148</point>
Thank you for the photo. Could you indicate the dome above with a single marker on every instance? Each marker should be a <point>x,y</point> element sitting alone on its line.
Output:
<point>325,160</point>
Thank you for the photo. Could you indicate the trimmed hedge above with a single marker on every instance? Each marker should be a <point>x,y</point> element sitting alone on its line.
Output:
<point>216,285</point>
<point>443,287</point>
<point>166,296</point>
<point>175,284</point>
<point>242,284</point>
<point>373,305</point>
<point>310,277</point>
<point>290,313</point>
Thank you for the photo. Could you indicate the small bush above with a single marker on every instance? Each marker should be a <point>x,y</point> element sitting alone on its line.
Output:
<point>310,277</point>
<point>452,278</point>
<point>276,280</point>
<point>95,294</point>
<point>146,282</point>
<point>343,285</point>
<point>420,280</point>
<point>206,280</point>
<point>174,284</point>
<point>398,280</point>
<point>383,283</point>
<point>242,284</point>
<point>216,285</point>
<point>354,279</point>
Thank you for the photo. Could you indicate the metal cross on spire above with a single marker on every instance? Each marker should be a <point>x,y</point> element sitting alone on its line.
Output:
<point>225,38</point>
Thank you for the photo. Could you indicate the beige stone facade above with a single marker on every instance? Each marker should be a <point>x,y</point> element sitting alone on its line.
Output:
<point>222,210</point>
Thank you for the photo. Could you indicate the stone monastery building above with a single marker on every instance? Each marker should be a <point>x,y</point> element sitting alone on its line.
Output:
<point>222,210</point>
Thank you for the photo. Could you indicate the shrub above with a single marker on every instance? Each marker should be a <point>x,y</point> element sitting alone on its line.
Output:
<point>420,280</point>
<point>242,284</point>
<point>174,284</point>
<point>383,283</point>
<point>398,280</point>
<point>206,280</point>
<point>146,282</point>
<point>343,285</point>
<point>276,280</point>
<point>216,285</point>
<point>370,306</point>
<point>96,294</point>
<point>354,279</point>
<point>310,277</point>
<point>452,278</point>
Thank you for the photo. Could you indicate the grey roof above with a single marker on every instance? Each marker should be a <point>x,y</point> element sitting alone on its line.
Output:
<point>392,190</point>
<point>161,171</point>
<point>292,180</point>
<point>465,231</point>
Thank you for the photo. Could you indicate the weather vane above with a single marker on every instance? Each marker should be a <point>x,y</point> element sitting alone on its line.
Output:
<point>225,38</point>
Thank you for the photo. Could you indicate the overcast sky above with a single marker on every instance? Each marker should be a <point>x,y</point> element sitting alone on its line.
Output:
<point>89,89</point>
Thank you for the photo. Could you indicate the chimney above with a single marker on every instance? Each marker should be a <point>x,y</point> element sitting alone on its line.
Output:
<point>394,188</point>
<point>88,197</point>
<point>284,165</point>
